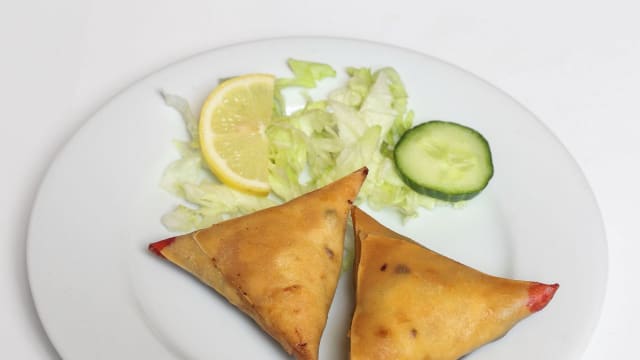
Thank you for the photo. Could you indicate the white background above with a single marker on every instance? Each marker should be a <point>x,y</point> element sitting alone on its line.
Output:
<point>575,64</point>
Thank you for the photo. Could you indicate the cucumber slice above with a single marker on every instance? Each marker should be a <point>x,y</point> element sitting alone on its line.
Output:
<point>444,160</point>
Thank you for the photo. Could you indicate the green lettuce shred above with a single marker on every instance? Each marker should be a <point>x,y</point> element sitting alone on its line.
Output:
<point>306,74</point>
<point>361,123</point>
<point>181,105</point>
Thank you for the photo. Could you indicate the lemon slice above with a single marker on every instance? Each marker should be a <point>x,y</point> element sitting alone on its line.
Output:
<point>232,128</point>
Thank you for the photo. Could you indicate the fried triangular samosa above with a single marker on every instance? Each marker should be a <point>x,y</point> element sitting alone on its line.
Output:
<point>278,265</point>
<point>413,303</point>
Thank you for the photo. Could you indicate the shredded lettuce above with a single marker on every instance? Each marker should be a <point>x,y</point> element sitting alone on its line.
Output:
<point>306,73</point>
<point>358,124</point>
<point>181,105</point>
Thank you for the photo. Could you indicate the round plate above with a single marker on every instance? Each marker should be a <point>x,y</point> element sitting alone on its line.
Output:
<point>102,295</point>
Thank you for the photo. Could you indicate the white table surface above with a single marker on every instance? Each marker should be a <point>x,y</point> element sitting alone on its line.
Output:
<point>573,63</point>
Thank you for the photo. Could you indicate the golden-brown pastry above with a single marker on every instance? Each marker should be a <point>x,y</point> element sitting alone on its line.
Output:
<point>413,303</point>
<point>279,265</point>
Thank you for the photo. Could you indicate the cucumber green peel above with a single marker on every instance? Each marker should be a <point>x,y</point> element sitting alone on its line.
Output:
<point>444,160</point>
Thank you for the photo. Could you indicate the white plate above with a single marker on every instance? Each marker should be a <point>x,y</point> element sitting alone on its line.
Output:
<point>102,295</point>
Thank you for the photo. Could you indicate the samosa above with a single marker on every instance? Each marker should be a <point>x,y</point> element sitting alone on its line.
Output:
<point>413,303</point>
<point>279,265</point>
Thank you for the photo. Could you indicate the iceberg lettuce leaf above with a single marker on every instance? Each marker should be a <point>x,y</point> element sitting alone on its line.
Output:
<point>181,105</point>
<point>305,74</point>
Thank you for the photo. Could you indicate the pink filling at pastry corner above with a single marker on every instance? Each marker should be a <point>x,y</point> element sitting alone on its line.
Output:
<point>157,247</point>
<point>540,295</point>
